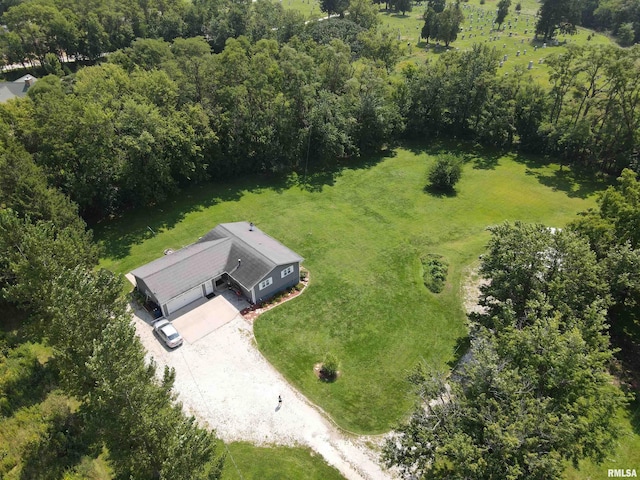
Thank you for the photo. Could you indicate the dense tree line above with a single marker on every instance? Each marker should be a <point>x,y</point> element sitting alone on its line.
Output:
<point>47,268</point>
<point>617,17</point>
<point>589,116</point>
<point>612,232</point>
<point>158,116</point>
<point>86,30</point>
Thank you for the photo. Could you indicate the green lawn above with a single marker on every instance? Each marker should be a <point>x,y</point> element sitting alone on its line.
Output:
<point>248,462</point>
<point>309,8</point>
<point>362,232</point>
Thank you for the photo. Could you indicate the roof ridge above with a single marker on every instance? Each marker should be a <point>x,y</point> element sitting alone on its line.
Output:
<point>235,237</point>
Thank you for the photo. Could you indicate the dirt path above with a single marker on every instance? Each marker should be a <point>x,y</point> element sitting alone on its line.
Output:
<point>223,380</point>
<point>471,284</point>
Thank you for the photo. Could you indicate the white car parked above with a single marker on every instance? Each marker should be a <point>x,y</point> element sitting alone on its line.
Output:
<point>167,333</point>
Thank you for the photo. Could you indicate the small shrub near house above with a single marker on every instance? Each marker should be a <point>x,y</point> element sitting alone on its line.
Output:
<point>330,367</point>
<point>435,269</point>
<point>445,172</point>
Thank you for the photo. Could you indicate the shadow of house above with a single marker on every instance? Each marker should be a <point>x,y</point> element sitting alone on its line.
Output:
<point>236,256</point>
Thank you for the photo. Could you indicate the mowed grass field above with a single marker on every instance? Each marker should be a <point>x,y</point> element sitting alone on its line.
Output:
<point>362,231</point>
<point>248,462</point>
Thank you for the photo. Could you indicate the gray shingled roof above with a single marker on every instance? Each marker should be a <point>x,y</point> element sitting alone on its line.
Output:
<point>9,90</point>
<point>17,88</point>
<point>180,271</point>
<point>216,252</point>
<point>259,253</point>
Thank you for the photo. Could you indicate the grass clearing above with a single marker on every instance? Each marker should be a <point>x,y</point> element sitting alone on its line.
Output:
<point>362,232</point>
<point>275,463</point>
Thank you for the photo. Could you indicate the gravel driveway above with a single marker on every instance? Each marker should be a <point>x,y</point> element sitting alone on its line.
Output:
<point>224,381</point>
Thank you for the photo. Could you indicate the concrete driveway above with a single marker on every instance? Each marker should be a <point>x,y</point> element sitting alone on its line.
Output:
<point>202,317</point>
<point>225,382</point>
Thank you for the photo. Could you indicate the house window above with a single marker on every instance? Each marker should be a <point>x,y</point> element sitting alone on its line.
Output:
<point>286,271</point>
<point>265,283</point>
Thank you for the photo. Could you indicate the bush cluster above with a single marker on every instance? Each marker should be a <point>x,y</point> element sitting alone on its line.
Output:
<point>435,269</point>
<point>445,172</point>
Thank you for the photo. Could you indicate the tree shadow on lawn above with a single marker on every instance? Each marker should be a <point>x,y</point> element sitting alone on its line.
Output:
<point>576,181</point>
<point>440,192</point>
<point>30,387</point>
<point>481,158</point>
<point>117,235</point>
<point>392,13</point>
<point>315,179</point>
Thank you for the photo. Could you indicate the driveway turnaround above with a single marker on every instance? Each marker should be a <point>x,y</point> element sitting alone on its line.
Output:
<point>224,381</point>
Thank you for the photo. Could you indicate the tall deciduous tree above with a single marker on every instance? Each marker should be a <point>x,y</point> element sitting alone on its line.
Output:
<point>33,254</point>
<point>533,266</point>
<point>503,11</point>
<point>80,306</point>
<point>612,230</point>
<point>334,7</point>
<point>147,436</point>
<point>558,15</point>
<point>364,13</point>
<point>24,189</point>
<point>527,402</point>
<point>448,24</point>
<point>430,27</point>
<point>437,5</point>
<point>403,6</point>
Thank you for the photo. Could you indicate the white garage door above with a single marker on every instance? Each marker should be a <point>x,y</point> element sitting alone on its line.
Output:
<point>184,299</point>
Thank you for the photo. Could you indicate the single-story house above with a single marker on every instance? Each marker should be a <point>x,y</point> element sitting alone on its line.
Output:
<point>233,255</point>
<point>17,88</point>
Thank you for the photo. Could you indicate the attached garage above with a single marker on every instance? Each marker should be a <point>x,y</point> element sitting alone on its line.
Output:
<point>182,300</point>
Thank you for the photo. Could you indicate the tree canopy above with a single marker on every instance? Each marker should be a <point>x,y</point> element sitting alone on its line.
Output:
<point>558,15</point>
<point>534,390</point>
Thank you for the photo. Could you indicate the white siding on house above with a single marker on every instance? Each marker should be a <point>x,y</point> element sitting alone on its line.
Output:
<point>184,299</point>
